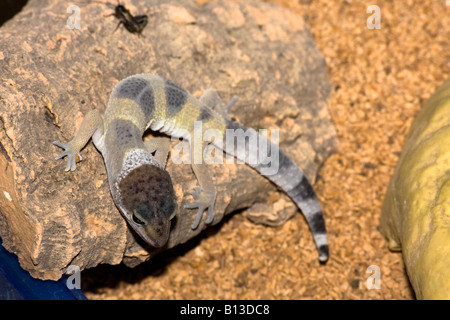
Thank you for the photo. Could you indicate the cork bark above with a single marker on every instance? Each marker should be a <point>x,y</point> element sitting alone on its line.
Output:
<point>52,75</point>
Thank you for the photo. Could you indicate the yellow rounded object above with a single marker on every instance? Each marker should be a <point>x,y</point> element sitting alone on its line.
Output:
<point>416,210</point>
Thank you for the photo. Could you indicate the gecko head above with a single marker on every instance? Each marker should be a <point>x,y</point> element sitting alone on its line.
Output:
<point>149,203</point>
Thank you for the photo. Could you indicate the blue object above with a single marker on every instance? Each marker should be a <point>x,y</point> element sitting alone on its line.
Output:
<point>17,284</point>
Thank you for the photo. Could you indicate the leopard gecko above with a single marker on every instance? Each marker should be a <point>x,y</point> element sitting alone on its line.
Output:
<point>141,187</point>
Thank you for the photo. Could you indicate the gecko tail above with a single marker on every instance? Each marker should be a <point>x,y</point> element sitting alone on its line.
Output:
<point>284,173</point>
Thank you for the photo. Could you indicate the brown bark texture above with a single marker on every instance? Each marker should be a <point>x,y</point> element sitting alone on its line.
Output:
<point>52,75</point>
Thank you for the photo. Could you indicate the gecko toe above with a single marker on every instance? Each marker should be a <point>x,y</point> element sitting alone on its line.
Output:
<point>69,153</point>
<point>210,214</point>
<point>198,218</point>
<point>203,201</point>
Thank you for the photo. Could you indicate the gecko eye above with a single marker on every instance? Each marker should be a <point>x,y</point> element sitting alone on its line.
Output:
<point>136,219</point>
<point>142,213</point>
<point>168,207</point>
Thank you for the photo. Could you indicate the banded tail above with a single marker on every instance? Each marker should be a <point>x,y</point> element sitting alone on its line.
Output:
<point>288,177</point>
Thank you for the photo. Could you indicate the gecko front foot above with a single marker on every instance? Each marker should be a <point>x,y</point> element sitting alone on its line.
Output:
<point>202,201</point>
<point>71,154</point>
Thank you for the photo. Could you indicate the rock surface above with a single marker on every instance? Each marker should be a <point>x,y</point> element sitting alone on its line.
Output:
<point>53,75</point>
<point>416,210</point>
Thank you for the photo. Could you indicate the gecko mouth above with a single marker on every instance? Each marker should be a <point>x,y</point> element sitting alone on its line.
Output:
<point>158,233</point>
<point>154,230</point>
